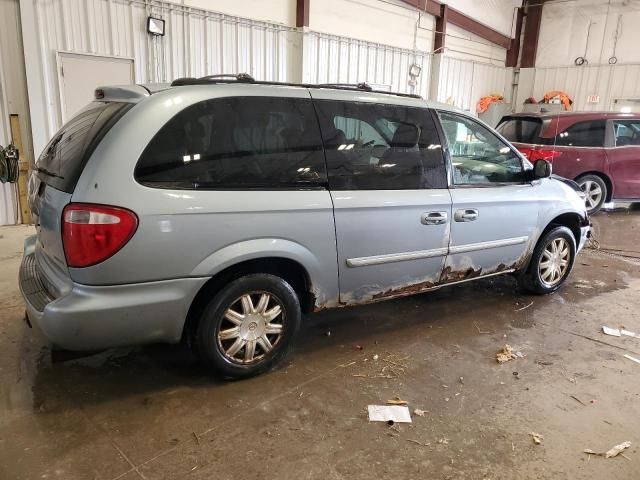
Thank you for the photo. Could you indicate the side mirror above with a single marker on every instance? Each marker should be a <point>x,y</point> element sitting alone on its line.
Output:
<point>541,169</point>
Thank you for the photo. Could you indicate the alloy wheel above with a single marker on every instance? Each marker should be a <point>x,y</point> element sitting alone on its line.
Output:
<point>554,262</point>
<point>593,193</point>
<point>251,328</point>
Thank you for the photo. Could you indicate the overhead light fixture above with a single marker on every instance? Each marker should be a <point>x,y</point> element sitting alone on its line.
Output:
<point>155,26</point>
<point>415,70</point>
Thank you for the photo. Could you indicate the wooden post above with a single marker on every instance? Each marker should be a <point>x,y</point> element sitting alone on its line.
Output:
<point>23,167</point>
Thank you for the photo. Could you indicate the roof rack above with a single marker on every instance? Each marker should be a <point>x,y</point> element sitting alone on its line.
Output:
<point>246,78</point>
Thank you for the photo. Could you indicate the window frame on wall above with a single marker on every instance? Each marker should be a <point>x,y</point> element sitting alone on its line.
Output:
<point>432,165</point>
<point>310,131</point>
<point>526,166</point>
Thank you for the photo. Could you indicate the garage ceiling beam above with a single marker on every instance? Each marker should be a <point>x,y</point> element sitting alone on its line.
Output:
<point>302,13</point>
<point>459,19</point>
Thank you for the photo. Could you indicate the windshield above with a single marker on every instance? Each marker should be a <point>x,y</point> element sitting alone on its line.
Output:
<point>64,157</point>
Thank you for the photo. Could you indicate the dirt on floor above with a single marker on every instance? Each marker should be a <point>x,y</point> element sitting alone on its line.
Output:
<point>150,412</point>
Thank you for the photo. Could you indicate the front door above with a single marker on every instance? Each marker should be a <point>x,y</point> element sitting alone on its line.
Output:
<point>624,159</point>
<point>391,204</point>
<point>494,208</point>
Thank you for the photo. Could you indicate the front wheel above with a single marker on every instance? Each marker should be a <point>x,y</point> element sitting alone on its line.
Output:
<point>248,326</point>
<point>595,190</point>
<point>551,262</point>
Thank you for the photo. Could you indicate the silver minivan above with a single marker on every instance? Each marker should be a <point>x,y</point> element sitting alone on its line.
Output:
<point>219,210</point>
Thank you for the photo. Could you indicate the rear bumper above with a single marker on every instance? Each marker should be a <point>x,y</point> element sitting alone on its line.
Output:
<point>92,318</point>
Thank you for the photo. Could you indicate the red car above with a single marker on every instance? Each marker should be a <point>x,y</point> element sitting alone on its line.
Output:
<point>600,151</point>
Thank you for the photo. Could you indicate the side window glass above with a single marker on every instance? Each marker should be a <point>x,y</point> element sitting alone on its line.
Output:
<point>627,132</point>
<point>477,155</point>
<point>237,142</point>
<point>583,134</point>
<point>372,146</point>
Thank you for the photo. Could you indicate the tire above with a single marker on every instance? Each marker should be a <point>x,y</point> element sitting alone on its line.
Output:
<point>596,190</point>
<point>537,279</point>
<point>255,344</point>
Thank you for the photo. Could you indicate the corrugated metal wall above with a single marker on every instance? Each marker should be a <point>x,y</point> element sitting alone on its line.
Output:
<point>200,42</point>
<point>464,82</point>
<point>197,43</point>
<point>333,59</point>
<point>607,81</point>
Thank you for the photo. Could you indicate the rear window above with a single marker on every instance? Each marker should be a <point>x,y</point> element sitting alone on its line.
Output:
<point>64,157</point>
<point>237,143</point>
<point>521,130</point>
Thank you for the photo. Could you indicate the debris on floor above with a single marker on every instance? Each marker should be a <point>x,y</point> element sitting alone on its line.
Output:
<point>629,334</point>
<point>475,324</point>
<point>505,354</point>
<point>617,332</point>
<point>614,332</point>
<point>536,437</point>
<point>419,412</point>
<point>426,444</point>
<point>389,413</point>
<point>524,308</point>
<point>397,401</point>
<point>578,400</point>
<point>633,359</point>
<point>612,452</point>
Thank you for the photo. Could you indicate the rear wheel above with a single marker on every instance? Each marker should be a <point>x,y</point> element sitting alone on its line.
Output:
<point>551,262</point>
<point>248,327</point>
<point>595,189</point>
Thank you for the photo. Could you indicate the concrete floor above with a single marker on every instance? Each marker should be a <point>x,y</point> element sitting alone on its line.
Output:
<point>149,412</point>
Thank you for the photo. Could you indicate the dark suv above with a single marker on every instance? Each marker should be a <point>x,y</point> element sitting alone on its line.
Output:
<point>599,150</point>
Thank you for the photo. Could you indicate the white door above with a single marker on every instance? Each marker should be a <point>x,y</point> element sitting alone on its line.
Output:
<point>81,74</point>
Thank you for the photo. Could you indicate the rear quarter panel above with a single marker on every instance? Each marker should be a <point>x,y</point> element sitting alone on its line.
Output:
<point>197,233</point>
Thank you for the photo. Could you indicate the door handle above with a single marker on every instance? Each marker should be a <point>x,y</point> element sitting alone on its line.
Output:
<point>433,218</point>
<point>466,215</point>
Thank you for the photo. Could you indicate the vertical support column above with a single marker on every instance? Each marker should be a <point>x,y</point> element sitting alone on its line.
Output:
<point>302,13</point>
<point>439,41</point>
<point>441,30</point>
<point>297,43</point>
<point>38,107</point>
<point>23,167</point>
<point>531,35</point>
<point>514,50</point>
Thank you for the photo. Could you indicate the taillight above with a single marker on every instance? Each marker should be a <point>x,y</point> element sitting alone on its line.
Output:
<point>93,233</point>
<point>543,154</point>
<point>548,155</point>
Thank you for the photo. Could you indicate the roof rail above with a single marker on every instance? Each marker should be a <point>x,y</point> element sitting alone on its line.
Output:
<point>359,86</point>
<point>246,78</point>
<point>229,77</point>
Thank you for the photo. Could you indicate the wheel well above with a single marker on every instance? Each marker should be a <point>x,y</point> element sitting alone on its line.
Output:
<point>605,178</point>
<point>289,270</point>
<point>569,220</point>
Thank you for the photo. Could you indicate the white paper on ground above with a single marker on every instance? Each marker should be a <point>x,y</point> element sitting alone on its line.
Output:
<point>384,413</point>
<point>633,359</point>
<point>629,334</point>
<point>611,331</point>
